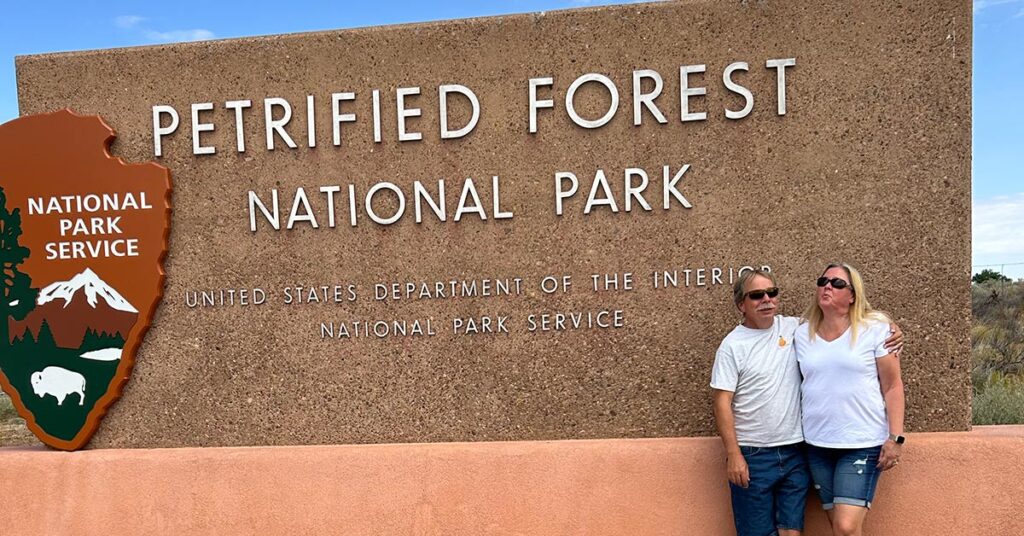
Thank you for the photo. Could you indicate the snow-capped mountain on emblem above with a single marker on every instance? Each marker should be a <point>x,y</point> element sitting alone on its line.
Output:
<point>73,308</point>
<point>93,287</point>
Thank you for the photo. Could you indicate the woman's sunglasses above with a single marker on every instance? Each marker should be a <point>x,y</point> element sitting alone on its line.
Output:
<point>837,283</point>
<point>759,294</point>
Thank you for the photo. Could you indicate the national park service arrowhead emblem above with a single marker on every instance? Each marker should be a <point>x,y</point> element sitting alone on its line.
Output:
<point>83,236</point>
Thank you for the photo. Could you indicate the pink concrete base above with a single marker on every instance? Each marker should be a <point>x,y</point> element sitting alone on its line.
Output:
<point>948,483</point>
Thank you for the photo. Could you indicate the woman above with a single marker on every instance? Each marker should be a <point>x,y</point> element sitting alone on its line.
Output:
<point>852,397</point>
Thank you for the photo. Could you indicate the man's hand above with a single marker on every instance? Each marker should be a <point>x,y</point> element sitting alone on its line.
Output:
<point>735,465</point>
<point>736,468</point>
<point>894,344</point>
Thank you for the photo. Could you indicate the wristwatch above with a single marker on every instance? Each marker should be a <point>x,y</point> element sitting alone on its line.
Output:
<point>898,439</point>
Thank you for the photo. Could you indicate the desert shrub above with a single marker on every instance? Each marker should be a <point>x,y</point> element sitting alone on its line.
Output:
<point>7,411</point>
<point>997,330</point>
<point>999,400</point>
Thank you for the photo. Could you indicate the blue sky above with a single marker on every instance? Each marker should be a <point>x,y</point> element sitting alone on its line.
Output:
<point>998,166</point>
<point>999,135</point>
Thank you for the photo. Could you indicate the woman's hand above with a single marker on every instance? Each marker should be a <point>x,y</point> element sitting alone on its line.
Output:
<point>890,456</point>
<point>892,391</point>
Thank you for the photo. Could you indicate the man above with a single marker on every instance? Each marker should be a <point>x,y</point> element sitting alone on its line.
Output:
<point>756,385</point>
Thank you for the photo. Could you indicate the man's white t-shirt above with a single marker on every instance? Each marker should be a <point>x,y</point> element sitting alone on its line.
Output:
<point>759,367</point>
<point>842,398</point>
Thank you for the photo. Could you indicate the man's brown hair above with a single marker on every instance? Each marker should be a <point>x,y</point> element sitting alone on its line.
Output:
<point>741,281</point>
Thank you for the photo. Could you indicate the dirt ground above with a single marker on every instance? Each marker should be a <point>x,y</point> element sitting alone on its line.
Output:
<point>12,428</point>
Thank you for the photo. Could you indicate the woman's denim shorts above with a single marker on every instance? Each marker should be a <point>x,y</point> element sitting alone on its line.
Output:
<point>844,476</point>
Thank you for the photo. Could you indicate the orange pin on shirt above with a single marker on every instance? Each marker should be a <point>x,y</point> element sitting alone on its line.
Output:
<point>782,342</point>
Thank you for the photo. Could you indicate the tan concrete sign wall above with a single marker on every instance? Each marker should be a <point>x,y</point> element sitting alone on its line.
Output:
<point>647,487</point>
<point>526,227</point>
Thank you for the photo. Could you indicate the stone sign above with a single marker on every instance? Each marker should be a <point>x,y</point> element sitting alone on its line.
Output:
<point>527,227</point>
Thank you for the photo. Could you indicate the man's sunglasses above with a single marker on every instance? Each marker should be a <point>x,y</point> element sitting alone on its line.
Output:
<point>759,294</point>
<point>837,283</point>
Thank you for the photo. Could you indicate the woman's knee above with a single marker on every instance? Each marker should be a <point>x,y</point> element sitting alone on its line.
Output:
<point>846,526</point>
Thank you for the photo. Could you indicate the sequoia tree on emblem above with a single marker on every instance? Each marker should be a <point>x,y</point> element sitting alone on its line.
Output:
<point>83,237</point>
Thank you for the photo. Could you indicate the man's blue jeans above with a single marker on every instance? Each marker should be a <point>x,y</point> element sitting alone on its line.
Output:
<point>777,494</point>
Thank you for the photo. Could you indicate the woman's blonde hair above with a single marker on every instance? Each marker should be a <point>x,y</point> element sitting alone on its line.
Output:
<point>860,309</point>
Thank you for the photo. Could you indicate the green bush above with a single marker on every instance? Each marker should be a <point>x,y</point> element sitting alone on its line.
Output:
<point>12,428</point>
<point>989,275</point>
<point>997,350</point>
<point>1000,400</point>
<point>7,411</point>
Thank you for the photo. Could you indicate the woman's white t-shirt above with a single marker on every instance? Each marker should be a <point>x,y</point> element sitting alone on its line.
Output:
<point>842,399</point>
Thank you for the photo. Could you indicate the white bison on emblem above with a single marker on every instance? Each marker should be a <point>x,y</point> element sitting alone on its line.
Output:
<point>59,382</point>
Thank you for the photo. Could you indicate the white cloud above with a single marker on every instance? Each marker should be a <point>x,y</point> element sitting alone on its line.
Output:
<point>998,235</point>
<point>178,36</point>
<point>1019,14</point>
<point>134,23</point>
<point>984,4</point>
<point>998,229</point>
<point>128,21</point>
